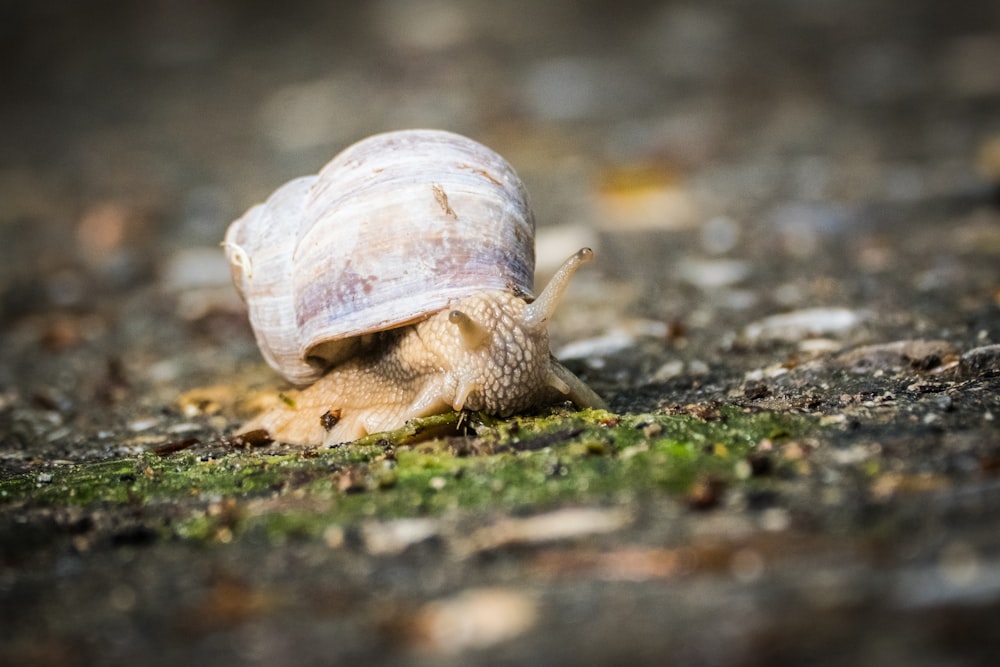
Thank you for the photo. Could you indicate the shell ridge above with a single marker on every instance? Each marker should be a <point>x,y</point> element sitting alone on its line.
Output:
<point>394,227</point>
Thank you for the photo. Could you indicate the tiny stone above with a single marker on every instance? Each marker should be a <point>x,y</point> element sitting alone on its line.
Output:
<point>668,370</point>
<point>353,480</point>
<point>801,324</point>
<point>944,402</point>
<point>652,430</point>
<point>981,361</point>
<point>333,536</point>
<point>775,519</point>
<point>142,424</point>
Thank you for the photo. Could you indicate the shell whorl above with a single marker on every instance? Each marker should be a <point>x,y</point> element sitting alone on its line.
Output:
<point>394,228</point>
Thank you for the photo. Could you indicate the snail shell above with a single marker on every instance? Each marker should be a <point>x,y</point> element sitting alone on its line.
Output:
<point>398,280</point>
<point>396,226</point>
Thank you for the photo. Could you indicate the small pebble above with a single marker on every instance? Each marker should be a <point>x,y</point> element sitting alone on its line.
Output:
<point>917,354</point>
<point>474,619</point>
<point>713,273</point>
<point>806,323</point>
<point>980,361</point>
<point>393,537</point>
<point>142,424</point>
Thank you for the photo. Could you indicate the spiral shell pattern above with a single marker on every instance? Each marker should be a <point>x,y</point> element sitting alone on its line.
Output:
<point>393,229</point>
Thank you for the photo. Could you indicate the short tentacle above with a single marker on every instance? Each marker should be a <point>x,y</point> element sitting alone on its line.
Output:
<point>465,387</point>
<point>557,383</point>
<point>473,334</point>
<point>576,390</point>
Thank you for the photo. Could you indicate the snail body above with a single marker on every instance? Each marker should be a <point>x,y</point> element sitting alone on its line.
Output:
<point>397,283</point>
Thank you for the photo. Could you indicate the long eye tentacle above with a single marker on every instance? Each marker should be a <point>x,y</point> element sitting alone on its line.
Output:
<point>541,309</point>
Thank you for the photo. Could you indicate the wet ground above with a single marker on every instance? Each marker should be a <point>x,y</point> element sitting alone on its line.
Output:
<point>794,317</point>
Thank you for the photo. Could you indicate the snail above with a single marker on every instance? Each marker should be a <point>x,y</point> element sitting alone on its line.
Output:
<point>397,283</point>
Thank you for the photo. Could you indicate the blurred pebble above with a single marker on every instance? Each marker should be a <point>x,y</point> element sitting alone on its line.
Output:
<point>981,361</point>
<point>962,577</point>
<point>616,339</point>
<point>561,524</point>
<point>917,354</point>
<point>334,536</point>
<point>747,565</point>
<point>101,231</point>
<point>474,619</point>
<point>804,227</point>
<point>393,537</point>
<point>775,519</point>
<point>206,400</point>
<point>988,160</point>
<point>186,427</point>
<point>806,323</point>
<point>713,273</point>
<point>163,372</point>
<point>143,424</point>
<point>63,331</point>
<point>959,563</point>
<point>668,370</point>
<point>818,346</point>
<point>122,598</point>
<point>629,563</point>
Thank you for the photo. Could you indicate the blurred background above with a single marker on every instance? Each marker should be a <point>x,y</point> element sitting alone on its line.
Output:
<point>134,129</point>
<point>729,160</point>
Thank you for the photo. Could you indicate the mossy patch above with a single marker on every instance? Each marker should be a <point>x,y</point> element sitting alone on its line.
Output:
<point>221,492</point>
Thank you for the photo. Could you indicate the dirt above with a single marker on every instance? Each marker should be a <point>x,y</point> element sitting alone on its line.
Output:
<point>794,316</point>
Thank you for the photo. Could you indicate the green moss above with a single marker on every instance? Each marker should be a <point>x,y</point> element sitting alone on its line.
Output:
<point>528,461</point>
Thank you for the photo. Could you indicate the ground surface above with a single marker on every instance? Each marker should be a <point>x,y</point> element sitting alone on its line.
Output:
<point>794,316</point>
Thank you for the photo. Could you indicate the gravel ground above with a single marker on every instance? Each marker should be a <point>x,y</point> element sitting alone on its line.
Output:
<point>795,207</point>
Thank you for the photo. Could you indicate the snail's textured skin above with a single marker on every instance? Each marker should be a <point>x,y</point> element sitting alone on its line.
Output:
<point>398,280</point>
<point>427,369</point>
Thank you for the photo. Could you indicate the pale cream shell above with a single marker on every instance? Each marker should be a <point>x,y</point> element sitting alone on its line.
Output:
<point>395,228</point>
